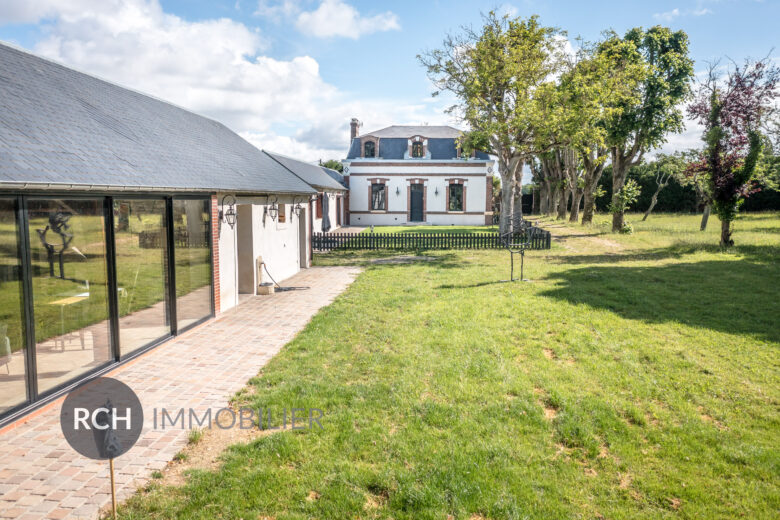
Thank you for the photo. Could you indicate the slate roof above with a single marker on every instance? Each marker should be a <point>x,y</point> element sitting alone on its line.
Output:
<point>312,174</point>
<point>406,132</point>
<point>62,127</point>
<point>395,148</point>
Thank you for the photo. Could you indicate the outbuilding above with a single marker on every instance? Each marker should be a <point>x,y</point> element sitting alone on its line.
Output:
<point>124,220</point>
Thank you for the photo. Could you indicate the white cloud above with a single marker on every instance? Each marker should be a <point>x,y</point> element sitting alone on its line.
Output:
<point>275,9</point>
<point>215,68</point>
<point>667,16</point>
<point>337,18</point>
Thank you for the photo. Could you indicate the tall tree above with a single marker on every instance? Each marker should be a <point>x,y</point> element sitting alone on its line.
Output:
<point>733,112</point>
<point>598,82</point>
<point>642,125</point>
<point>502,76</point>
<point>664,168</point>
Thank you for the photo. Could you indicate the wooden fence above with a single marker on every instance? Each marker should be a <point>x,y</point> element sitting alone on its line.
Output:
<point>539,239</point>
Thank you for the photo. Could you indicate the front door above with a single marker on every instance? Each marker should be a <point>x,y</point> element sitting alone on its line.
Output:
<point>417,203</point>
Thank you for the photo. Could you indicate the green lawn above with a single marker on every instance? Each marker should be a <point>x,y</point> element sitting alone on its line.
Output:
<point>634,377</point>
<point>428,230</point>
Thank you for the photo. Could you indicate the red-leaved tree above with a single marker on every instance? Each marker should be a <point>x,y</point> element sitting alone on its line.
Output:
<point>733,111</point>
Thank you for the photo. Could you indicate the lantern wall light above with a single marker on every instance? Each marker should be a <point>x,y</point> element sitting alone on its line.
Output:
<point>273,209</point>
<point>297,208</point>
<point>228,215</point>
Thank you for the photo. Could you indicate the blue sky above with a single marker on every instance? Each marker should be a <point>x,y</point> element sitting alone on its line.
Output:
<point>288,74</point>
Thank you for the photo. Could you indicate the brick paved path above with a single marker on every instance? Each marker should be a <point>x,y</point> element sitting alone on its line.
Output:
<point>42,477</point>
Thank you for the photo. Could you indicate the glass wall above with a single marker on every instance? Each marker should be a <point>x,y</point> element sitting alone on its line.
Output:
<point>13,382</point>
<point>191,222</point>
<point>70,288</point>
<point>93,302</point>
<point>141,240</point>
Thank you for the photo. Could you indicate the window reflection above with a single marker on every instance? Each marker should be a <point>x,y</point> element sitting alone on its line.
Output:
<point>191,221</point>
<point>141,268</point>
<point>68,254</point>
<point>13,385</point>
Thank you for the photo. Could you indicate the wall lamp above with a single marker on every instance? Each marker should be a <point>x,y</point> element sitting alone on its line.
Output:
<point>297,208</point>
<point>397,190</point>
<point>436,191</point>
<point>228,216</point>
<point>273,209</point>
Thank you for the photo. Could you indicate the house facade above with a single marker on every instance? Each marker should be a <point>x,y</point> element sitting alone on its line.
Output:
<point>125,221</point>
<point>416,175</point>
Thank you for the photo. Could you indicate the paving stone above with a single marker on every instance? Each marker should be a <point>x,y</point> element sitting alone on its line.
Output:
<point>201,369</point>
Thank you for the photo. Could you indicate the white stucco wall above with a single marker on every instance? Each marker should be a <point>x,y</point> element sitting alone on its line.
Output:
<point>332,207</point>
<point>278,243</point>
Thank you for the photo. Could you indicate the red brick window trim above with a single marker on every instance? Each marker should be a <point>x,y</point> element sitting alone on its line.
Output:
<point>419,144</point>
<point>462,189</point>
<point>369,139</point>
<point>381,198</point>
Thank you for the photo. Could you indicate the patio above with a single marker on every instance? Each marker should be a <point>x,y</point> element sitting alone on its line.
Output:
<point>42,477</point>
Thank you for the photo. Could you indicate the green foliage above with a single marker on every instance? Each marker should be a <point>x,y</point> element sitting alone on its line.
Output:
<point>333,164</point>
<point>643,121</point>
<point>625,197</point>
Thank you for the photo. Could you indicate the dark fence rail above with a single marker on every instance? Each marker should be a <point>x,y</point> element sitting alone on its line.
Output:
<point>539,239</point>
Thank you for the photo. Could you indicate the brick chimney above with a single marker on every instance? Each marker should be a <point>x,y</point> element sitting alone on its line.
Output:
<point>354,125</point>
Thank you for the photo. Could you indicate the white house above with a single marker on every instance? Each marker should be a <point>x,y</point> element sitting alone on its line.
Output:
<point>416,174</point>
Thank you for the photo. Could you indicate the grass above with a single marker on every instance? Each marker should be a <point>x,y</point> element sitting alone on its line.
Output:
<point>634,377</point>
<point>429,230</point>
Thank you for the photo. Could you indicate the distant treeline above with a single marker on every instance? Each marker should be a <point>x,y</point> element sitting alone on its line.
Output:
<point>677,198</point>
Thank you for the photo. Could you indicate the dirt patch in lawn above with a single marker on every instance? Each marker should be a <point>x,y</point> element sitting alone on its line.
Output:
<point>403,259</point>
<point>205,454</point>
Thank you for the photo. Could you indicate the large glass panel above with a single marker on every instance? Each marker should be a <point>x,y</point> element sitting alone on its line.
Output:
<point>142,272</point>
<point>13,389</point>
<point>68,253</point>
<point>191,223</point>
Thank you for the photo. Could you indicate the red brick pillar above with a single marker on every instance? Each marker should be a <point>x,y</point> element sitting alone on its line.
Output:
<point>215,223</point>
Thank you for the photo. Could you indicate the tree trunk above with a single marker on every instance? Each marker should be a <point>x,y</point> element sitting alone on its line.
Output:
<point>517,210</point>
<point>725,233</point>
<point>507,195</point>
<point>575,206</point>
<point>535,201</point>
<point>653,202</point>
<point>562,202</point>
<point>619,172</point>
<point>544,198</point>
<point>552,205</point>
<point>705,217</point>
<point>588,207</point>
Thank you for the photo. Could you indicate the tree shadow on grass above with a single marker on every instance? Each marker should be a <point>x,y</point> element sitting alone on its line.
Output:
<point>756,254</point>
<point>732,296</point>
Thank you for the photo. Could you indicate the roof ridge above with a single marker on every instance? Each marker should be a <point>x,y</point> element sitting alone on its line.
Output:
<point>267,152</point>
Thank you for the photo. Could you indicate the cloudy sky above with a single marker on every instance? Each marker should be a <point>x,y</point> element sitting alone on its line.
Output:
<point>289,74</point>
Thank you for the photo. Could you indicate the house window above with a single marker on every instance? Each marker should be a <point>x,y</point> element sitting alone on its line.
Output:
<point>456,197</point>
<point>369,149</point>
<point>319,205</point>
<point>282,213</point>
<point>417,150</point>
<point>378,197</point>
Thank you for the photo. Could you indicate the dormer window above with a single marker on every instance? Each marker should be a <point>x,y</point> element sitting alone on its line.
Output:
<point>369,149</point>
<point>417,150</point>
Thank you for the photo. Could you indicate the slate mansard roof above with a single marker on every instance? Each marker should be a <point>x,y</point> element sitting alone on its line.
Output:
<point>312,174</point>
<point>393,142</point>
<point>63,128</point>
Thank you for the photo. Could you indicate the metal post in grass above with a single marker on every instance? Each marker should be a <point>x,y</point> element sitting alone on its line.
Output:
<point>516,240</point>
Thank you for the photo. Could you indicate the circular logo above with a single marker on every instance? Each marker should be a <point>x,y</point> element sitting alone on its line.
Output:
<point>102,419</point>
